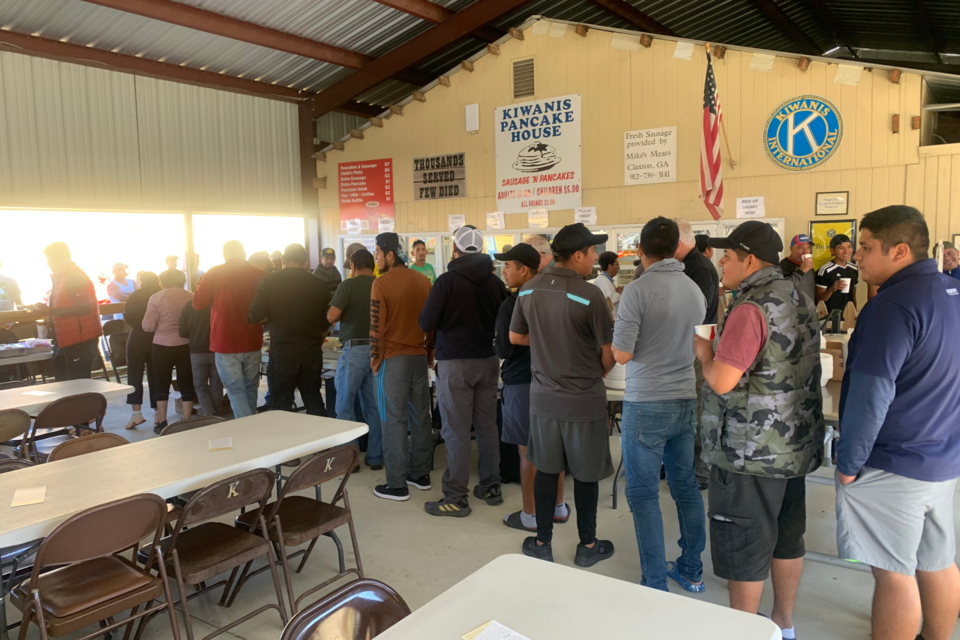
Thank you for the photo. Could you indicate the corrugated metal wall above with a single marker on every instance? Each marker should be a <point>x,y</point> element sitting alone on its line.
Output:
<point>79,137</point>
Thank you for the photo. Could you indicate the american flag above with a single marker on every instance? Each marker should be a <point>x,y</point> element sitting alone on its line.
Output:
<point>711,178</point>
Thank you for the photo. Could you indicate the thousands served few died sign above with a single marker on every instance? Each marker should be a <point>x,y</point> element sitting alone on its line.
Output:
<point>439,177</point>
<point>538,155</point>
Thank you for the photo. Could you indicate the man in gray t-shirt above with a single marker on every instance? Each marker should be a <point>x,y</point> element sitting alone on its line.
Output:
<point>567,326</point>
<point>653,337</point>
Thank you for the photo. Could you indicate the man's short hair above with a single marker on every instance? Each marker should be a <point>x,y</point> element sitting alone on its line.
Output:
<point>659,238</point>
<point>686,231</point>
<point>899,224</point>
<point>416,242</point>
<point>172,278</point>
<point>295,253</point>
<point>233,249</point>
<point>839,239</point>
<point>742,255</point>
<point>703,242</point>
<point>362,259</point>
<point>607,259</point>
<point>58,250</point>
<point>541,244</point>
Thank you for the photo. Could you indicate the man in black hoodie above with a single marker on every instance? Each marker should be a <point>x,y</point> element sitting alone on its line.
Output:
<point>462,309</point>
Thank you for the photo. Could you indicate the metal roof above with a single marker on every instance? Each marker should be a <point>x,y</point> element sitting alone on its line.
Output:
<point>885,28</point>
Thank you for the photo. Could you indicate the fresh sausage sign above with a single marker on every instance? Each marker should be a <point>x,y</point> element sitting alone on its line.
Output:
<point>439,177</point>
<point>538,155</point>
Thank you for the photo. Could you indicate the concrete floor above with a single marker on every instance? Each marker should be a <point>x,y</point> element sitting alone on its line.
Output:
<point>422,556</point>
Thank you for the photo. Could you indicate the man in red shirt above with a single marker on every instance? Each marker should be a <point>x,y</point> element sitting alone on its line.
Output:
<point>229,289</point>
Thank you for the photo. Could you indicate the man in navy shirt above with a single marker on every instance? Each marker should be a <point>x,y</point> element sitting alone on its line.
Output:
<point>951,260</point>
<point>899,453</point>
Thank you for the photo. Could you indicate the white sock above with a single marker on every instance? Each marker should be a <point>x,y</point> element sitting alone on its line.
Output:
<point>788,634</point>
<point>137,414</point>
<point>560,511</point>
<point>528,520</point>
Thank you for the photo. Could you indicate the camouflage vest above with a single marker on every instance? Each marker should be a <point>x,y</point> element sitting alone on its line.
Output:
<point>771,423</point>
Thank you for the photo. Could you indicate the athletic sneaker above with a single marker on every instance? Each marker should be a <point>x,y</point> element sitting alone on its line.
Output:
<point>673,571</point>
<point>514,521</point>
<point>541,552</point>
<point>491,496</point>
<point>422,483</point>
<point>376,466</point>
<point>159,426</point>
<point>458,509</point>
<point>589,556</point>
<point>383,491</point>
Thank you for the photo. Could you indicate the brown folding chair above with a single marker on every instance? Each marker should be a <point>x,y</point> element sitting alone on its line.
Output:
<point>14,424</point>
<point>11,558</point>
<point>208,548</point>
<point>86,444</point>
<point>360,610</point>
<point>94,583</point>
<point>190,423</point>
<point>294,520</point>
<point>56,420</point>
<point>115,334</point>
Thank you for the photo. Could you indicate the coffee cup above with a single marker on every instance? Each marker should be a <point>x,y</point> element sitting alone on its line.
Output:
<point>807,256</point>
<point>706,331</point>
<point>845,285</point>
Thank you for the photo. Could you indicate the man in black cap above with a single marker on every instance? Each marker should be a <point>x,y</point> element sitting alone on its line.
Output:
<point>328,271</point>
<point>565,322</point>
<point>520,265</point>
<point>462,309</point>
<point>762,422</point>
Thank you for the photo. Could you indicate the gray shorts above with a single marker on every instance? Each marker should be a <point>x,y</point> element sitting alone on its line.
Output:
<point>896,523</point>
<point>516,414</point>
<point>582,449</point>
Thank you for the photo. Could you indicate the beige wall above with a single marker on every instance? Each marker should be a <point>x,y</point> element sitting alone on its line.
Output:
<point>627,90</point>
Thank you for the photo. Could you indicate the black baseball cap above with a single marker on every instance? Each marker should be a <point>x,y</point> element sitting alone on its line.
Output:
<point>391,242</point>
<point>328,252</point>
<point>522,253</point>
<point>755,237</point>
<point>575,237</point>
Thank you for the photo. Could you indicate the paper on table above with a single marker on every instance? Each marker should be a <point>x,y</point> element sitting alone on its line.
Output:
<point>33,495</point>
<point>493,630</point>
<point>221,444</point>
<point>37,393</point>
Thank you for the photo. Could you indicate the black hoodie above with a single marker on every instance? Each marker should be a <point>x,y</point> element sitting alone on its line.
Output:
<point>462,308</point>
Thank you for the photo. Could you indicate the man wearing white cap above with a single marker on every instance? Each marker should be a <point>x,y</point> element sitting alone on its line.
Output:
<point>462,309</point>
<point>120,288</point>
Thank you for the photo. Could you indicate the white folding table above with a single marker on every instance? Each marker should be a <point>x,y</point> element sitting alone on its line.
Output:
<point>167,466</point>
<point>35,397</point>
<point>543,600</point>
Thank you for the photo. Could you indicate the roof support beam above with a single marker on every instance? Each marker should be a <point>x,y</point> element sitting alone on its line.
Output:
<point>88,56</point>
<point>435,13</point>
<point>411,52</point>
<point>360,109</point>
<point>825,15</point>
<point>788,26</point>
<point>631,14</point>
<point>927,27</point>
<point>220,25</point>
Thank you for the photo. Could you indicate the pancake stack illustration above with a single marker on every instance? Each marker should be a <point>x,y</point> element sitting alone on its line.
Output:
<point>536,157</point>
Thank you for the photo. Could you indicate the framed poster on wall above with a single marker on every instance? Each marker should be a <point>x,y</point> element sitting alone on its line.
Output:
<point>822,232</point>
<point>833,203</point>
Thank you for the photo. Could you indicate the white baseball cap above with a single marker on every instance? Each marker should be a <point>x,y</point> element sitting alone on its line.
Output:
<point>468,240</point>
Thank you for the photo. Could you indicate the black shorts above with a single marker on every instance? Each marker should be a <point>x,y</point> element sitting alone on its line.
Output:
<point>754,519</point>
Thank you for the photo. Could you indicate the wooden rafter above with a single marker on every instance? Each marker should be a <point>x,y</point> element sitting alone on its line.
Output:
<point>432,12</point>
<point>923,18</point>
<point>227,27</point>
<point>426,44</point>
<point>631,14</point>
<point>825,16</point>
<point>788,26</point>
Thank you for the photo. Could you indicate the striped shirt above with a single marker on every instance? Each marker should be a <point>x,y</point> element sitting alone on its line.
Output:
<point>830,273</point>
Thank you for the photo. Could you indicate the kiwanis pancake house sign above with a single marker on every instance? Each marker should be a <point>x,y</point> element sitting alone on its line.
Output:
<point>439,177</point>
<point>803,132</point>
<point>538,155</point>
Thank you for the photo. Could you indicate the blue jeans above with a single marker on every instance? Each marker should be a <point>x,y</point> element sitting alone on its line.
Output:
<point>240,375</point>
<point>655,433</point>
<point>355,376</point>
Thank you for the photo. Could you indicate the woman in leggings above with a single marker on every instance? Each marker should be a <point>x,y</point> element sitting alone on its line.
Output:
<point>139,346</point>
<point>169,349</point>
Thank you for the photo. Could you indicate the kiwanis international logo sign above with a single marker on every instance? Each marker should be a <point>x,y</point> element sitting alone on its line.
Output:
<point>803,132</point>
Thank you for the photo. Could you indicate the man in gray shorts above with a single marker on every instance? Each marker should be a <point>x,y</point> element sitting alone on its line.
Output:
<point>565,322</point>
<point>898,459</point>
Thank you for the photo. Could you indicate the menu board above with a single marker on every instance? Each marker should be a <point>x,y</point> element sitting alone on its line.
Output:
<point>366,194</point>
<point>538,155</point>
<point>440,177</point>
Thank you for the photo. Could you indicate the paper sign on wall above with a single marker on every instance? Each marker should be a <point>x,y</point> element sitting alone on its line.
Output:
<point>684,51</point>
<point>586,215</point>
<point>538,155</point>
<point>650,156</point>
<point>750,207</point>
<point>455,222</point>
<point>354,227</point>
<point>495,220</point>
<point>386,225</point>
<point>538,219</point>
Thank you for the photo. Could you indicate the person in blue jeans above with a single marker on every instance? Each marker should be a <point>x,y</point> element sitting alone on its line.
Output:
<point>351,308</point>
<point>653,337</point>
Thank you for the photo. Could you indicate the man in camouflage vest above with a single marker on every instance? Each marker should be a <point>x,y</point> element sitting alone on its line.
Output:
<point>762,422</point>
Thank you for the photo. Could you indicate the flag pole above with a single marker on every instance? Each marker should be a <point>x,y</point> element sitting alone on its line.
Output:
<point>723,126</point>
